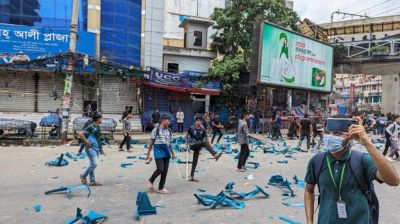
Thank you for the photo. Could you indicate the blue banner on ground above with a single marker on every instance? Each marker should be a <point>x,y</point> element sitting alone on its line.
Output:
<point>26,43</point>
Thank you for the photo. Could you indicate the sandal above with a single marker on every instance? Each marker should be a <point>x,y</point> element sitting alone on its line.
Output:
<point>83,179</point>
<point>217,156</point>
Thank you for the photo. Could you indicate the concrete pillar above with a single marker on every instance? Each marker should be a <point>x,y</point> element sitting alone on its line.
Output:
<point>391,93</point>
<point>94,21</point>
<point>207,106</point>
<point>289,99</point>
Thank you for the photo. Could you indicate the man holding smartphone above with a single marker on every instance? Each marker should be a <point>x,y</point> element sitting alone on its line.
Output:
<point>344,178</point>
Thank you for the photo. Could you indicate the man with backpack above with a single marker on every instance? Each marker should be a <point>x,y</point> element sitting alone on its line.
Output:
<point>392,139</point>
<point>161,138</point>
<point>344,178</point>
<point>197,139</point>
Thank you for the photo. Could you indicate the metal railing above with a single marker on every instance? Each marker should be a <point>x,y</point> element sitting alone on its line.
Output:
<point>371,48</point>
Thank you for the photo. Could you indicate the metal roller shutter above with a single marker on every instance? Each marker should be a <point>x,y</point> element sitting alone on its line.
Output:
<point>17,92</point>
<point>117,94</point>
<point>48,83</point>
<point>77,95</point>
<point>155,98</point>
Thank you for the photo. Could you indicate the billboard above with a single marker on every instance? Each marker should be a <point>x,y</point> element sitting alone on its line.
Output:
<point>291,60</point>
<point>26,43</point>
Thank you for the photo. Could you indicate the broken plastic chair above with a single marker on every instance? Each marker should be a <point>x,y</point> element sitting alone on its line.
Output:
<point>288,220</point>
<point>144,206</point>
<point>277,181</point>
<point>92,218</point>
<point>299,205</point>
<point>179,140</point>
<point>60,161</point>
<point>229,187</point>
<point>252,165</point>
<point>69,190</point>
<point>72,156</point>
<point>282,161</point>
<point>179,161</point>
<point>250,194</point>
<point>37,207</point>
<point>213,201</point>
<point>125,165</point>
<point>298,182</point>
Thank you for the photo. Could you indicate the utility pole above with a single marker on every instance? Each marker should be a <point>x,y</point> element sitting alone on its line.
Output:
<point>69,76</point>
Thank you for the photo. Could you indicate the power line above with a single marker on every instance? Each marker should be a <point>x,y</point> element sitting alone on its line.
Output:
<point>386,11</point>
<point>374,6</point>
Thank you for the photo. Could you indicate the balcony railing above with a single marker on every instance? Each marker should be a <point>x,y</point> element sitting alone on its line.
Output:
<point>371,48</point>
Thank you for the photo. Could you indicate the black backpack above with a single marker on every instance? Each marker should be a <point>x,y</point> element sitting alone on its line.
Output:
<point>358,173</point>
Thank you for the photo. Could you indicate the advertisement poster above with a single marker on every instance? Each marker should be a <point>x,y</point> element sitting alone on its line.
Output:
<point>26,43</point>
<point>288,59</point>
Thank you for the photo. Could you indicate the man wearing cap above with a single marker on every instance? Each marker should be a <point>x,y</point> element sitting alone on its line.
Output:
<point>91,136</point>
<point>161,138</point>
<point>197,139</point>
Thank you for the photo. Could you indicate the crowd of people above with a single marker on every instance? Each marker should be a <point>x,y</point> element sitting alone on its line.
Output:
<point>346,195</point>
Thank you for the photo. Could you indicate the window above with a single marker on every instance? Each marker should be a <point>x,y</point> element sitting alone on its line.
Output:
<point>173,67</point>
<point>198,38</point>
<point>374,87</point>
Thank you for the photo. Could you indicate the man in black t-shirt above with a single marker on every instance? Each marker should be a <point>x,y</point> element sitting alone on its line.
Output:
<point>305,130</point>
<point>216,127</point>
<point>197,139</point>
<point>155,118</point>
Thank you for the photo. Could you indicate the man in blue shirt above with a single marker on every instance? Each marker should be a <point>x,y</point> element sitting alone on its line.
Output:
<point>161,138</point>
<point>91,136</point>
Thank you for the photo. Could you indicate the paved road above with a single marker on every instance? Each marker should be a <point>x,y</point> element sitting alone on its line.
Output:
<point>25,178</point>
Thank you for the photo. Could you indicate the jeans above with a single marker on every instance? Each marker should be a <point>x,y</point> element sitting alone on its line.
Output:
<point>93,161</point>
<point>305,135</point>
<point>215,131</point>
<point>394,148</point>
<point>180,127</point>
<point>196,151</point>
<point>162,169</point>
<point>244,154</point>
<point>127,140</point>
<point>321,137</point>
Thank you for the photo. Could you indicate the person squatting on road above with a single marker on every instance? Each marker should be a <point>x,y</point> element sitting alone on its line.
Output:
<point>243,139</point>
<point>91,136</point>
<point>344,178</point>
<point>161,138</point>
<point>197,139</point>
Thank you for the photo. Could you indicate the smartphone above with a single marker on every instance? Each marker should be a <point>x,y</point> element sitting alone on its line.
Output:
<point>339,124</point>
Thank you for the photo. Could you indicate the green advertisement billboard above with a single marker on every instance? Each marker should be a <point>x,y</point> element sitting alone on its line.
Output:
<point>291,60</point>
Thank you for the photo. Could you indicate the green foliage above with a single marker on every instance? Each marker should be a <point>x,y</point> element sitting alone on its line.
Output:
<point>378,49</point>
<point>234,36</point>
<point>339,52</point>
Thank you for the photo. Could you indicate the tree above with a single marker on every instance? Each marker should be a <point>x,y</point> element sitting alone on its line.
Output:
<point>233,39</point>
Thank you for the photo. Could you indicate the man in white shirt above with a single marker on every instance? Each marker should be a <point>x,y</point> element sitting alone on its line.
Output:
<point>180,117</point>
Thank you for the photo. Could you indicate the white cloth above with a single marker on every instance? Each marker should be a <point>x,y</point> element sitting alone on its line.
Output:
<point>180,116</point>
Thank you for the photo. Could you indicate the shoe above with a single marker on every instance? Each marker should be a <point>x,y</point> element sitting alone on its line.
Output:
<point>150,187</point>
<point>217,156</point>
<point>241,170</point>
<point>164,191</point>
<point>130,151</point>
<point>95,184</point>
<point>83,179</point>
<point>121,150</point>
<point>193,179</point>
<point>390,159</point>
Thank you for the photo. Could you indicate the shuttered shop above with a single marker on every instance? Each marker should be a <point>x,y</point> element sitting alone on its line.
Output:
<point>48,83</point>
<point>17,92</point>
<point>117,94</point>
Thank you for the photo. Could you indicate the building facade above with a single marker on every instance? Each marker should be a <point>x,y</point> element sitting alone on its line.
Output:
<point>359,90</point>
<point>120,39</point>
